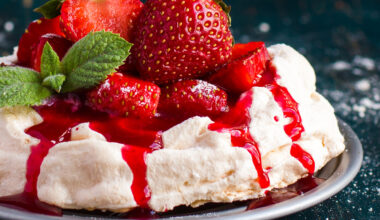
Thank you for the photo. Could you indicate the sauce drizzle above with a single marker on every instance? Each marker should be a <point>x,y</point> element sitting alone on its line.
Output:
<point>236,122</point>
<point>141,139</point>
<point>290,109</point>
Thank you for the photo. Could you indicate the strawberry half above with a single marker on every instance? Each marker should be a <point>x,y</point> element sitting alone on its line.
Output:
<point>80,17</point>
<point>193,97</point>
<point>59,44</point>
<point>32,35</point>
<point>122,95</point>
<point>181,39</point>
<point>245,69</point>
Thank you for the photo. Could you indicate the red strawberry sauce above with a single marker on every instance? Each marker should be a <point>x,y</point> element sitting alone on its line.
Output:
<point>236,122</point>
<point>136,159</point>
<point>143,137</point>
<point>272,197</point>
<point>290,109</point>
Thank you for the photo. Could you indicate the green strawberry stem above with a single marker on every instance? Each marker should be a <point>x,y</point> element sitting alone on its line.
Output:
<point>50,9</point>
<point>226,8</point>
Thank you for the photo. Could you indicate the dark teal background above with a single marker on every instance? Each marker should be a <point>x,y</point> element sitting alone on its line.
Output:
<point>325,32</point>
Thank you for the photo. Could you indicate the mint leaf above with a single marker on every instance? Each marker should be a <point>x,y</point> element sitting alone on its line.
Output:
<point>50,64</point>
<point>91,59</point>
<point>50,9</point>
<point>21,86</point>
<point>55,82</point>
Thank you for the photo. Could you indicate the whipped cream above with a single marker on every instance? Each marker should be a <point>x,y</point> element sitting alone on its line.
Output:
<point>10,60</point>
<point>195,166</point>
<point>268,121</point>
<point>15,147</point>
<point>86,174</point>
<point>296,73</point>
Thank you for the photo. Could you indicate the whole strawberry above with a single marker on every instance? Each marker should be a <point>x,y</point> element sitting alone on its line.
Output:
<point>193,97</point>
<point>126,96</point>
<point>182,39</point>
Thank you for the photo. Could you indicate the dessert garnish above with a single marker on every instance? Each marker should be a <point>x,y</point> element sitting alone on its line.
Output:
<point>85,65</point>
<point>116,104</point>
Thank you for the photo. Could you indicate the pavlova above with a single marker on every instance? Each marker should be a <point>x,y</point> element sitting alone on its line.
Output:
<point>116,104</point>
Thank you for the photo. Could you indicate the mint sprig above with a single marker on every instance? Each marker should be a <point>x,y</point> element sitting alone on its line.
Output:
<point>91,59</point>
<point>50,63</point>
<point>21,86</point>
<point>87,63</point>
<point>55,82</point>
<point>50,9</point>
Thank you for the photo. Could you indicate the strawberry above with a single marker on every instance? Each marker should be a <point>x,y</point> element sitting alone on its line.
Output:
<point>181,39</point>
<point>122,95</point>
<point>245,69</point>
<point>59,44</point>
<point>80,17</point>
<point>129,66</point>
<point>193,97</point>
<point>31,37</point>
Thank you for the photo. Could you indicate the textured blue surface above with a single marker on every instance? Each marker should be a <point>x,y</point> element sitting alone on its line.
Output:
<point>341,39</point>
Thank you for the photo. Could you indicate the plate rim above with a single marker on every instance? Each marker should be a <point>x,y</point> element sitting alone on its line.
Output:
<point>347,169</point>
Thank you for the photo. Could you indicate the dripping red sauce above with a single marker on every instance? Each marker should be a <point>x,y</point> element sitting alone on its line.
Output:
<point>28,202</point>
<point>60,115</point>
<point>282,96</point>
<point>290,109</point>
<point>276,118</point>
<point>54,129</point>
<point>136,159</point>
<point>304,157</point>
<point>236,122</point>
<point>279,195</point>
<point>141,139</point>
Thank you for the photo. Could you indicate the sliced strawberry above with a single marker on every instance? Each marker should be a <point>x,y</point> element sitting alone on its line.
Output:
<point>122,95</point>
<point>80,17</point>
<point>245,69</point>
<point>181,39</point>
<point>59,44</point>
<point>31,37</point>
<point>193,97</point>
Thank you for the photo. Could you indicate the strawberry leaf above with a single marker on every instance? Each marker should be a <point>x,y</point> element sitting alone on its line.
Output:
<point>50,9</point>
<point>91,59</point>
<point>50,63</point>
<point>55,82</point>
<point>21,86</point>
